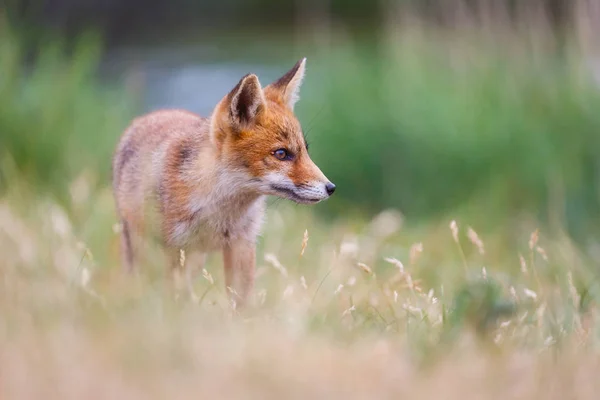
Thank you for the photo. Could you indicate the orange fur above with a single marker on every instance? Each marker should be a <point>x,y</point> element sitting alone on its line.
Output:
<point>200,183</point>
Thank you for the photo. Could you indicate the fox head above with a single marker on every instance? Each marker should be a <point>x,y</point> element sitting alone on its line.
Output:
<point>256,134</point>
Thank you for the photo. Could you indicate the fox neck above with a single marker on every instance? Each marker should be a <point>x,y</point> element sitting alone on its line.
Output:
<point>221,188</point>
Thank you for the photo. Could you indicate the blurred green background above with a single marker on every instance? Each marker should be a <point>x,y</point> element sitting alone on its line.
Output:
<point>484,109</point>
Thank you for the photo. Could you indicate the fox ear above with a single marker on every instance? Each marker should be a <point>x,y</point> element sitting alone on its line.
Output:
<point>246,100</point>
<point>288,86</point>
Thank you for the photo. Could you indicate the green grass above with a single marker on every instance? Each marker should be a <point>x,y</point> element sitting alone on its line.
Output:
<point>56,118</point>
<point>431,125</point>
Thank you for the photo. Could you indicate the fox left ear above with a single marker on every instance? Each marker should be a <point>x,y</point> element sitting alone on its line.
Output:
<point>246,100</point>
<point>288,86</point>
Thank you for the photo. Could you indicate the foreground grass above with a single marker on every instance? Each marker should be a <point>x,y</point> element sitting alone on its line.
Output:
<point>352,309</point>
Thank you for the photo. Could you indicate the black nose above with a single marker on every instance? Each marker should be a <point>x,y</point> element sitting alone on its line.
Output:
<point>330,187</point>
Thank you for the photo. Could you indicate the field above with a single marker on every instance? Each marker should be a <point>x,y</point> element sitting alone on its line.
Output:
<point>458,258</point>
<point>361,311</point>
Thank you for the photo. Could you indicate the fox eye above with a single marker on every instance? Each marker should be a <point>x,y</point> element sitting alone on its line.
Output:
<point>282,154</point>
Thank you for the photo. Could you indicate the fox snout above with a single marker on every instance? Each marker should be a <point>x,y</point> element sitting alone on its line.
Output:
<point>306,193</point>
<point>318,192</point>
<point>305,185</point>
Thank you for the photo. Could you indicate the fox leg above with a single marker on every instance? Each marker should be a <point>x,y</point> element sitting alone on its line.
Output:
<point>239,263</point>
<point>127,252</point>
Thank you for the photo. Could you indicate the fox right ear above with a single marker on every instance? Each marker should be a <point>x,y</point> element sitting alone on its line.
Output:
<point>287,88</point>
<point>246,100</point>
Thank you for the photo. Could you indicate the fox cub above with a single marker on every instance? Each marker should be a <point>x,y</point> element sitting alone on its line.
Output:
<point>200,184</point>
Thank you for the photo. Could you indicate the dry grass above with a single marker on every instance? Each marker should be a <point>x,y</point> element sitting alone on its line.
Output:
<point>345,310</point>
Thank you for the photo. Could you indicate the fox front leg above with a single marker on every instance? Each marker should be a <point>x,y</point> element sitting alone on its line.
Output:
<point>239,261</point>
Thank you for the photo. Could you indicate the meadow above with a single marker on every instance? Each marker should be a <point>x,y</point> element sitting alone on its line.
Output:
<point>458,258</point>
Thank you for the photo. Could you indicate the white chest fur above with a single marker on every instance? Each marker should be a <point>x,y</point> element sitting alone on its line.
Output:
<point>217,222</point>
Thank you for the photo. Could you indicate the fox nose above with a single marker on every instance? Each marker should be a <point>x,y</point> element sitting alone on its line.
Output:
<point>330,187</point>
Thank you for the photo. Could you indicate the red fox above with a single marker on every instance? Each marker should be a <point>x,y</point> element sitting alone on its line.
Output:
<point>206,179</point>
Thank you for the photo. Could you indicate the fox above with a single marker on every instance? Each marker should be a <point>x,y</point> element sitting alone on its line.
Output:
<point>200,183</point>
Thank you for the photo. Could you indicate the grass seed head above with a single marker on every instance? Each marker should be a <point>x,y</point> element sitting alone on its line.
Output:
<point>415,251</point>
<point>474,238</point>
<point>505,324</point>
<point>513,293</point>
<point>498,338</point>
<point>412,309</point>
<point>542,253</point>
<point>181,258</point>
<point>348,311</point>
<point>303,282</point>
<point>272,259</point>
<point>530,293</point>
<point>573,291</point>
<point>534,239</point>
<point>365,268</point>
<point>395,262</point>
<point>304,242</point>
<point>454,230</point>
<point>523,264</point>
<point>208,276</point>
